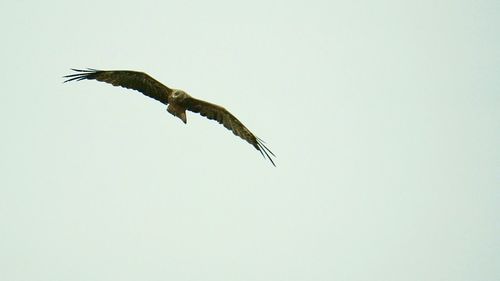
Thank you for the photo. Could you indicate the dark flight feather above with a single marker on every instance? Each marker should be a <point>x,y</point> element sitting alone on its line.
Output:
<point>134,80</point>
<point>229,121</point>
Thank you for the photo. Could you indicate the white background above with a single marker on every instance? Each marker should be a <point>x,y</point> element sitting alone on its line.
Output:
<point>384,116</point>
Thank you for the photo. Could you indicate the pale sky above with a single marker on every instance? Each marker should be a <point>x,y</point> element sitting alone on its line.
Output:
<point>384,116</point>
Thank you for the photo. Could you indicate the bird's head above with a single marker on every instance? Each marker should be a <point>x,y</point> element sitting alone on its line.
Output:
<point>178,95</point>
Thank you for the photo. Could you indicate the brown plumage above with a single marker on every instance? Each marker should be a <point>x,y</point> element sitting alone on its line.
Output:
<point>177,100</point>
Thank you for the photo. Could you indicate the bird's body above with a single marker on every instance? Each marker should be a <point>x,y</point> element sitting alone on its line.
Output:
<point>177,101</point>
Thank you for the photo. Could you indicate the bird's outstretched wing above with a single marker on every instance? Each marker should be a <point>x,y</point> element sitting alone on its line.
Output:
<point>224,117</point>
<point>135,80</point>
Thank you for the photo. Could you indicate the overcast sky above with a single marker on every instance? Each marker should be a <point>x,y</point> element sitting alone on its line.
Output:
<point>384,116</point>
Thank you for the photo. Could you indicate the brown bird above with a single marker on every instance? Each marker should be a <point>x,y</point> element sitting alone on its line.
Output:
<point>177,100</point>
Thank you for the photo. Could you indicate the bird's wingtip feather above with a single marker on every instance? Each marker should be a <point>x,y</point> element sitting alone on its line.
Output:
<point>262,148</point>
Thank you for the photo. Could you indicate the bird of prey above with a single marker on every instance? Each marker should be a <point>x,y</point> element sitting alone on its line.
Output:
<point>177,100</point>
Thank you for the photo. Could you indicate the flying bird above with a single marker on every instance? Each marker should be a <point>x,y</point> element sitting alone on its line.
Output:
<point>177,101</point>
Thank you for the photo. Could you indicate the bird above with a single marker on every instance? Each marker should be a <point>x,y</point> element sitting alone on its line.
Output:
<point>177,101</point>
